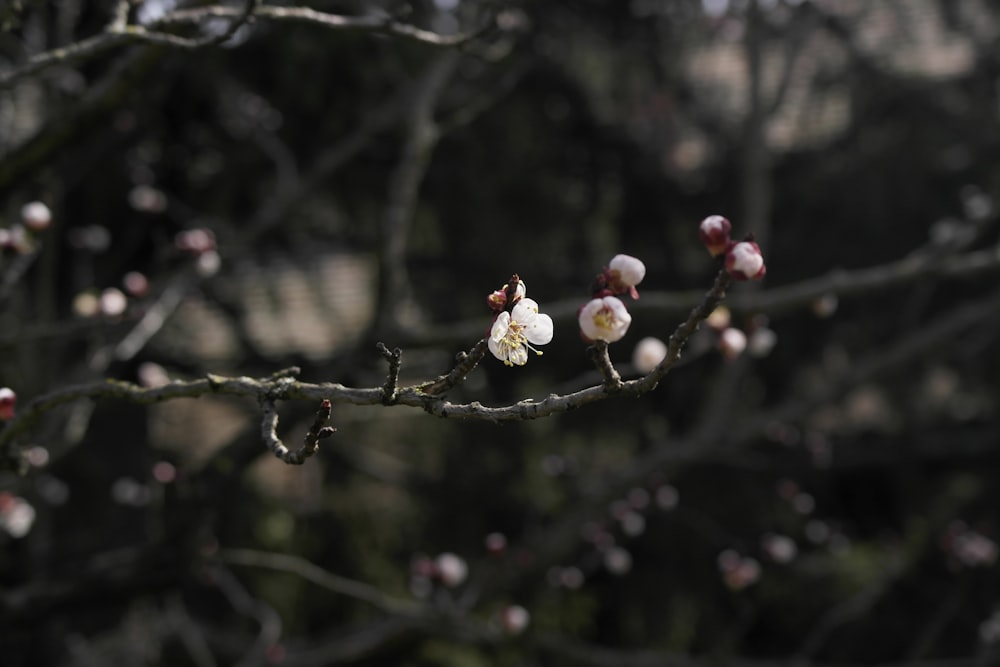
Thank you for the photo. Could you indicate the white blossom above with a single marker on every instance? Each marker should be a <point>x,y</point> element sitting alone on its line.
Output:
<point>518,331</point>
<point>605,319</point>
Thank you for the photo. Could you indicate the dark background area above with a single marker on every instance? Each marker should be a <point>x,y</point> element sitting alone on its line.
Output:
<point>827,501</point>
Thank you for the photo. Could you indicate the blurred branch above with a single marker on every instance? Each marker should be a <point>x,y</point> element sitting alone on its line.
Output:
<point>189,632</point>
<point>422,135</point>
<point>245,604</point>
<point>120,33</point>
<point>376,23</point>
<point>301,567</point>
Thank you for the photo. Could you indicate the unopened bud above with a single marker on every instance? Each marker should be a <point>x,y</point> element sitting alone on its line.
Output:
<point>744,261</point>
<point>8,399</point>
<point>714,234</point>
<point>626,270</point>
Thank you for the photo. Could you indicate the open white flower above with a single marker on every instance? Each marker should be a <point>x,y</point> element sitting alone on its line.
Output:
<point>516,332</point>
<point>605,319</point>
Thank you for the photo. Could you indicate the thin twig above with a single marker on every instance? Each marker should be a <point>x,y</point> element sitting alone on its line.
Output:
<point>598,353</point>
<point>392,378</point>
<point>318,431</point>
<point>466,362</point>
<point>301,567</point>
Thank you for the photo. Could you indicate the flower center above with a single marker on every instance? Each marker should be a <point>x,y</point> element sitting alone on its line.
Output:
<point>604,318</point>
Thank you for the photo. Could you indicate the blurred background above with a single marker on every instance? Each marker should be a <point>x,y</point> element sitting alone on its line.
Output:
<point>811,485</point>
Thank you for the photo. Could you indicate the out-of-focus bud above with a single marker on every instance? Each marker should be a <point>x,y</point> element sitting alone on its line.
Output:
<point>135,283</point>
<point>86,304</point>
<point>147,199</point>
<point>208,264</point>
<point>113,302</point>
<point>732,342</point>
<point>738,571</point>
<point>36,216</point>
<point>719,319</point>
<point>648,354</point>
<point>514,619</point>
<point>779,548</point>
<point>152,375</point>
<point>745,262</point>
<point>8,400</point>
<point>714,234</point>
<point>496,543</point>
<point>617,561</point>
<point>195,241</point>
<point>451,569</point>
<point>762,341</point>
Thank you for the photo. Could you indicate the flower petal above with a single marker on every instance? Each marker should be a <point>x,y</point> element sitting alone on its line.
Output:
<point>519,355</point>
<point>539,329</point>
<point>524,310</point>
<point>494,346</point>
<point>500,326</point>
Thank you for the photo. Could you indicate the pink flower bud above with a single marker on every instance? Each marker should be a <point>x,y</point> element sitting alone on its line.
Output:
<point>8,399</point>
<point>497,301</point>
<point>744,261</point>
<point>36,216</point>
<point>714,233</point>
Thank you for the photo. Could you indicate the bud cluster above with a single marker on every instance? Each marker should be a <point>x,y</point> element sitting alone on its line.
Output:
<point>743,259</point>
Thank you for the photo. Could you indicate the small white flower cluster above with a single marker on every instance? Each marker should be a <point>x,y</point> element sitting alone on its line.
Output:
<point>518,327</point>
<point>605,317</point>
